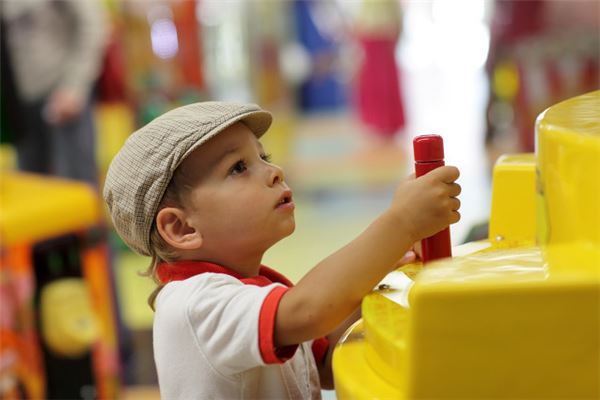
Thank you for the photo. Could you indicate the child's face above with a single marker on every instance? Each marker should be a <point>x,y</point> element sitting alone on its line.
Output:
<point>239,201</point>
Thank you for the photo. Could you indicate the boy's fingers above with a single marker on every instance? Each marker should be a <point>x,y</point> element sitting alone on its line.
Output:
<point>447,174</point>
<point>455,217</point>
<point>455,189</point>
<point>452,174</point>
<point>455,203</point>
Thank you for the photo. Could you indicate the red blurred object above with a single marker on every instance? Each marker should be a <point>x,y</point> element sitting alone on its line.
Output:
<point>112,85</point>
<point>429,155</point>
<point>190,56</point>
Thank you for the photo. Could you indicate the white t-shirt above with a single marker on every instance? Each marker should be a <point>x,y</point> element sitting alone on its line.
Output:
<point>213,339</point>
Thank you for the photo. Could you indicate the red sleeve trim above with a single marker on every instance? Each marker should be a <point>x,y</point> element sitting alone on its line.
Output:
<point>266,328</point>
<point>319,349</point>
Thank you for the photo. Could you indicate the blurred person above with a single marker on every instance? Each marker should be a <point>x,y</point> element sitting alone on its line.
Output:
<point>55,49</point>
<point>195,190</point>
<point>318,30</point>
<point>378,95</point>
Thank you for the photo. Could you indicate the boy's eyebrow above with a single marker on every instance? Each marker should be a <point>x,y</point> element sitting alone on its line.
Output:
<point>217,160</point>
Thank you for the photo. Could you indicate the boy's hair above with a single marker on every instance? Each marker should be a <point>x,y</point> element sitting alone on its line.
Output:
<point>159,248</point>
<point>175,196</point>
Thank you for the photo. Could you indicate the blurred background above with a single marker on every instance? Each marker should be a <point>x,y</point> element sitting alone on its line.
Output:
<point>350,84</point>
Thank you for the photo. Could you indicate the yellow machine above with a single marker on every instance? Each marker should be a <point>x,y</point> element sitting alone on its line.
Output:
<point>513,317</point>
<point>58,326</point>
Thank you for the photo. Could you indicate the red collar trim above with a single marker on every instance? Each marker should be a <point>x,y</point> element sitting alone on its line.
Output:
<point>180,270</point>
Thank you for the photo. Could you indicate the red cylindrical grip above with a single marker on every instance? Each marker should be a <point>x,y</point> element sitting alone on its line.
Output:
<point>429,155</point>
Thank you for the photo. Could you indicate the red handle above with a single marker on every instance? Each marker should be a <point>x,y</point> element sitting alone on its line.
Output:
<point>429,155</point>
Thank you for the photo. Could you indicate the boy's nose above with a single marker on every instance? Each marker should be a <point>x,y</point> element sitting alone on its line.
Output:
<point>276,174</point>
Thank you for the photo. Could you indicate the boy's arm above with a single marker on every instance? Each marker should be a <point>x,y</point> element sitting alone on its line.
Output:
<point>333,289</point>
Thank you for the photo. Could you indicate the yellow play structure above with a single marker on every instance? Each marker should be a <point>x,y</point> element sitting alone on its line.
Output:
<point>58,324</point>
<point>516,316</point>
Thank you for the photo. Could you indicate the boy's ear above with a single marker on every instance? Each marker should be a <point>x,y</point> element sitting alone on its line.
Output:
<point>172,227</point>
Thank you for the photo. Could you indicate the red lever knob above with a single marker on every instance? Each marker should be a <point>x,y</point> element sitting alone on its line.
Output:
<point>429,155</point>
<point>428,148</point>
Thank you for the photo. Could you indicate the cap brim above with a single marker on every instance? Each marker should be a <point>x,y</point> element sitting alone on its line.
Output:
<point>257,121</point>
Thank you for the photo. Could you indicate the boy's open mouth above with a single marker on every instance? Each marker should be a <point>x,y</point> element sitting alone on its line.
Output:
<point>286,198</point>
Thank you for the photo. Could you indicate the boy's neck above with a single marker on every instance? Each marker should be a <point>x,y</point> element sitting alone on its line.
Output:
<point>247,267</point>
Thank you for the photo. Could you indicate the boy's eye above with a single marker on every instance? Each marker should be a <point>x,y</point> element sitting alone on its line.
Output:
<point>266,157</point>
<point>238,168</point>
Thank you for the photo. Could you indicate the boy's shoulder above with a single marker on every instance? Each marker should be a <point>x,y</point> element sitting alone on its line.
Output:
<point>208,281</point>
<point>208,290</point>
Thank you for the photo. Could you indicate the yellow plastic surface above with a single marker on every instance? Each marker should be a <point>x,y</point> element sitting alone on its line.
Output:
<point>68,324</point>
<point>504,324</point>
<point>568,143</point>
<point>370,361</point>
<point>513,216</point>
<point>35,208</point>
<point>355,379</point>
<point>516,319</point>
<point>385,322</point>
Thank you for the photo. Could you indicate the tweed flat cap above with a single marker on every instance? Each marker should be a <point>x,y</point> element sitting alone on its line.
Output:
<point>140,172</point>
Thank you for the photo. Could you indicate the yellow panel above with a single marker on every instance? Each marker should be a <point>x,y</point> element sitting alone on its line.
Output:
<point>512,221</point>
<point>568,136</point>
<point>501,324</point>
<point>34,208</point>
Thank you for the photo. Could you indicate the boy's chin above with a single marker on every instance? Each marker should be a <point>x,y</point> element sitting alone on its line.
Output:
<point>287,232</point>
<point>292,229</point>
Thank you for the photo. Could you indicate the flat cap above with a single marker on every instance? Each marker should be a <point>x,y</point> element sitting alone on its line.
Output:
<point>141,171</point>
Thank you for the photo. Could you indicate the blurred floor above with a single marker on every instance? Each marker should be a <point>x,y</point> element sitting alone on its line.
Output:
<point>141,393</point>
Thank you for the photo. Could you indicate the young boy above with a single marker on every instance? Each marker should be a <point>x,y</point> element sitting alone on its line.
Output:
<point>194,189</point>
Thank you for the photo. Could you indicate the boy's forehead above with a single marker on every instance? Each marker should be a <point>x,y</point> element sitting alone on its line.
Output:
<point>231,140</point>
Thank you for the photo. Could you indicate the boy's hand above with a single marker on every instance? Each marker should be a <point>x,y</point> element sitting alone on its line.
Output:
<point>428,204</point>
<point>420,208</point>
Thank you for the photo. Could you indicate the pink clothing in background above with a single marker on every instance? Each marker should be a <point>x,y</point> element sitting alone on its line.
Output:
<point>378,88</point>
